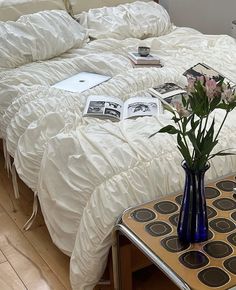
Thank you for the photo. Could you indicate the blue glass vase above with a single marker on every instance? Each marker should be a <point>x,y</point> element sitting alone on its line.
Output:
<point>193,222</point>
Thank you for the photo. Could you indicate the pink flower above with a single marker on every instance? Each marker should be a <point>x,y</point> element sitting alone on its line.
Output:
<point>228,95</point>
<point>201,79</point>
<point>180,109</point>
<point>211,86</point>
<point>190,86</point>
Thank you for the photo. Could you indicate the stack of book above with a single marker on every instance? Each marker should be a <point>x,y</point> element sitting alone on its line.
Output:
<point>144,61</point>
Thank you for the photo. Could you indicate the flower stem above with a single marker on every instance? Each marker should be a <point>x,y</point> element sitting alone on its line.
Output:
<point>183,136</point>
<point>226,114</point>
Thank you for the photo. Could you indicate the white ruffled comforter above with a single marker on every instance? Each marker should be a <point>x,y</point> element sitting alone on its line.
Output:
<point>87,171</point>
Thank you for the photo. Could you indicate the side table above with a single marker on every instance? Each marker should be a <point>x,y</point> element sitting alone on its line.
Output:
<point>152,228</point>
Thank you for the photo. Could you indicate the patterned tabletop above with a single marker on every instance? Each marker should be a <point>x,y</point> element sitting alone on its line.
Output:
<point>202,265</point>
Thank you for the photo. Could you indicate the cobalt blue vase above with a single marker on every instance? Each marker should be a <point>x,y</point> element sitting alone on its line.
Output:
<point>193,222</point>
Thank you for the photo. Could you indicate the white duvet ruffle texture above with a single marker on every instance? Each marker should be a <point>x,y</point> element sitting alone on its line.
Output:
<point>31,126</point>
<point>38,36</point>
<point>110,167</point>
<point>13,9</point>
<point>138,20</point>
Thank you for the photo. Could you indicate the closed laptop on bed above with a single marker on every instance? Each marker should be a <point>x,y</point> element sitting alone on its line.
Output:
<point>81,82</point>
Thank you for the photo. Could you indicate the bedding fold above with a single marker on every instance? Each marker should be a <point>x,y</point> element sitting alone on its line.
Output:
<point>38,36</point>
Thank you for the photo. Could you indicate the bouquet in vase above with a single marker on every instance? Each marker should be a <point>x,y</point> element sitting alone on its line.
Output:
<point>197,136</point>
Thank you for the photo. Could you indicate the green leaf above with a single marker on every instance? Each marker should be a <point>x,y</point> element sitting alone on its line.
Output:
<point>192,138</point>
<point>194,124</point>
<point>215,101</point>
<point>153,134</point>
<point>183,149</point>
<point>176,119</point>
<point>221,153</point>
<point>184,102</point>
<point>222,106</point>
<point>169,129</point>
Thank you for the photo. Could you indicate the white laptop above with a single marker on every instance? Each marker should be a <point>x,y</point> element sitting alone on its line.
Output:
<point>81,82</point>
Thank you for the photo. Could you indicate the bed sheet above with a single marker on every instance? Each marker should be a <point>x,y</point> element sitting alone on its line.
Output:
<point>109,166</point>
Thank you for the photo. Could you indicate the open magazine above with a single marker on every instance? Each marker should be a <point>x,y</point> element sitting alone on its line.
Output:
<point>168,93</point>
<point>114,108</point>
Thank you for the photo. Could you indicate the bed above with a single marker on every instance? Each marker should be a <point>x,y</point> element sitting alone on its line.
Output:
<point>86,171</point>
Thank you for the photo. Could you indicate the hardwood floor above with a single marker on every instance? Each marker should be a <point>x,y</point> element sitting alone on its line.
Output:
<point>29,260</point>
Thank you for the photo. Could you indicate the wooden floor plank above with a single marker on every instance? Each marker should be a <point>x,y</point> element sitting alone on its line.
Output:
<point>59,262</point>
<point>9,279</point>
<point>2,258</point>
<point>38,235</point>
<point>29,266</point>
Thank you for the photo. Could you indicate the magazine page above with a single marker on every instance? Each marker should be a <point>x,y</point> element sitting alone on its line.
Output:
<point>202,69</point>
<point>103,106</point>
<point>168,92</point>
<point>141,106</point>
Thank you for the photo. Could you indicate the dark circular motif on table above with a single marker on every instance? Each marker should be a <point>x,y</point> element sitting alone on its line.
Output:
<point>213,277</point>
<point>224,204</point>
<point>232,239</point>
<point>165,207</point>
<point>211,212</point>
<point>211,192</point>
<point>222,225</point>
<point>173,244</point>
<point>226,185</point>
<point>179,199</point>
<point>233,215</point>
<point>194,259</point>
<point>143,215</point>
<point>210,235</point>
<point>217,249</point>
<point>230,265</point>
<point>174,219</point>
<point>158,228</point>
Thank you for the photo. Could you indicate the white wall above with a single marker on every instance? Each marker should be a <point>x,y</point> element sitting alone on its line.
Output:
<point>208,16</point>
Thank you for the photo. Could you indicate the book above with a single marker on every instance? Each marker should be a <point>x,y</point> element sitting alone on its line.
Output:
<point>146,65</point>
<point>168,93</point>
<point>136,58</point>
<point>202,69</point>
<point>81,82</point>
<point>114,108</point>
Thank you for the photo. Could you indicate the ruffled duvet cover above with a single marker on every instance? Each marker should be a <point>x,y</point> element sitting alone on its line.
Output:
<point>86,171</point>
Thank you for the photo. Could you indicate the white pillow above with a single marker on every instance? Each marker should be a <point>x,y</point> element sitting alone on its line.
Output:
<point>137,20</point>
<point>38,36</point>
<point>79,6</point>
<point>13,9</point>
